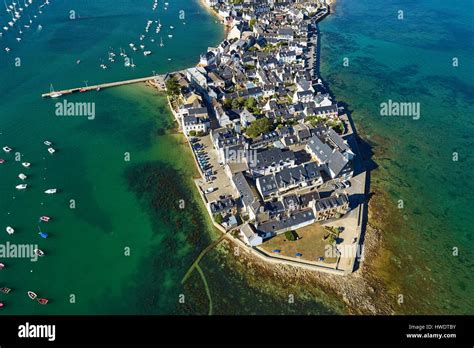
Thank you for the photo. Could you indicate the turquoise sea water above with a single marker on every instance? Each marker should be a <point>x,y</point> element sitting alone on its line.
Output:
<point>410,60</point>
<point>85,253</point>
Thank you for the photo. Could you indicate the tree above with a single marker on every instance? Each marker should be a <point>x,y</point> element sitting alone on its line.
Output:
<point>251,104</point>
<point>172,87</point>
<point>192,133</point>
<point>257,127</point>
<point>237,103</point>
<point>218,218</point>
<point>228,104</point>
<point>252,22</point>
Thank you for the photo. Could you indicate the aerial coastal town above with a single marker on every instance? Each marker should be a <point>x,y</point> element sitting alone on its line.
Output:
<point>280,167</point>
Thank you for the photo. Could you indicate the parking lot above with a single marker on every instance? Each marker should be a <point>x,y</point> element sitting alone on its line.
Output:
<point>219,181</point>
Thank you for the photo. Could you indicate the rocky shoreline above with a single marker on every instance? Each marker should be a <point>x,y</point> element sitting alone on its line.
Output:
<point>361,292</point>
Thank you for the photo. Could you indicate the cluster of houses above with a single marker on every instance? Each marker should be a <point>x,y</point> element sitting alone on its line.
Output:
<point>265,69</point>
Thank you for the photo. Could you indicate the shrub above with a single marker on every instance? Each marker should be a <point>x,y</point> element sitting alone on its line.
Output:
<point>218,218</point>
<point>290,235</point>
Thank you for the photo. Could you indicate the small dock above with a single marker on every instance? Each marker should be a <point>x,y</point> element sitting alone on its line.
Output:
<point>156,81</point>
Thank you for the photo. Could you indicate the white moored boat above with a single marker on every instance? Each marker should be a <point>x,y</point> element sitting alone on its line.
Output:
<point>50,191</point>
<point>47,143</point>
<point>51,150</point>
<point>53,93</point>
<point>26,164</point>
<point>7,149</point>
<point>21,187</point>
<point>10,230</point>
<point>22,176</point>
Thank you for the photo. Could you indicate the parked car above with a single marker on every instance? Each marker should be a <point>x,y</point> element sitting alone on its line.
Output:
<point>209,190</point>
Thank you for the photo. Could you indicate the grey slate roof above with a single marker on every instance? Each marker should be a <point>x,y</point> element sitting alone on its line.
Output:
<point>244,189</point>
<point>308,197</point>
<point>337,140</point>
<point>319,149</point>
<point>331,202</point>
<point>337,162</point>
<point>294,219</point>
<point>272,156</point>
<point>221,205</point>
<point>267,185</point>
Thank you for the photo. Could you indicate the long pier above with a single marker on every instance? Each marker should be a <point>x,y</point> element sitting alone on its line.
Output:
<point>157,81</point>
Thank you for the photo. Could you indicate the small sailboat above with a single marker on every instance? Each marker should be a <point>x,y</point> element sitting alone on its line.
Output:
<point>7,149</point>
<point>39,252</point>
<point>146,53</point>
<point>5,290</point>
<point>161,42</point>
<point>51,150</point>
<point>45,218</point>
<point>26,164</point>
<point>2,161</point>
<point>10,230</point>
<point>32,295</point>
<point>53,93</point>
<point>43,235</point>
<point>111,57</point>
<point>42,301</point>
<point>22,176</point>
<point>47,143</point>
<point>2,266</point>
<point>21,187</point>
<point>51,191</point>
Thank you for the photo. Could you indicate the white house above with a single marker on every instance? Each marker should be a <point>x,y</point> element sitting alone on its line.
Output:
<point>249,236</point>
<point>192,123</point>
